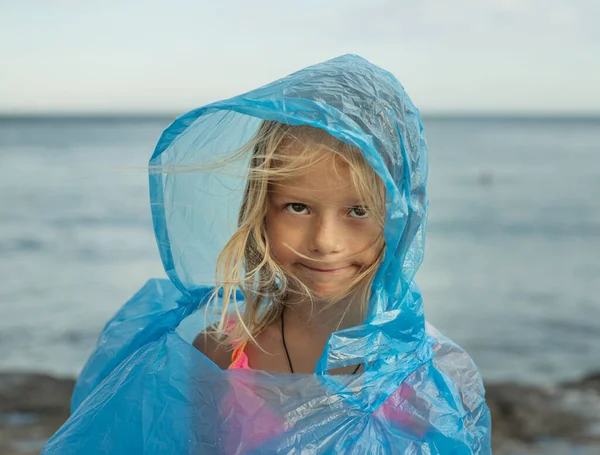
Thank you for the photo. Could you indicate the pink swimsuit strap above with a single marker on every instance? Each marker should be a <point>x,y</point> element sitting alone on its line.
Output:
<point>239,358</point>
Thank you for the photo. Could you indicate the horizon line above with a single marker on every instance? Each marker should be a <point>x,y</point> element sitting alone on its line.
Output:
<point>430,114</point>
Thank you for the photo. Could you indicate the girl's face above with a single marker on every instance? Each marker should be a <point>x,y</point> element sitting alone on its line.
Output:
<point>318,230</point>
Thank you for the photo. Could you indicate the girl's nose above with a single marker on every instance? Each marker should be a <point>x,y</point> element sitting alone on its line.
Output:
<point>326,236</point>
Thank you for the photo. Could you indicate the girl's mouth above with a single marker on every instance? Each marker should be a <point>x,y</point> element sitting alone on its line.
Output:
<point>327,270</point>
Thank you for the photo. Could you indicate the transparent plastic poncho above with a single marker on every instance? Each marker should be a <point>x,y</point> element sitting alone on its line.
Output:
<point>147,390</point>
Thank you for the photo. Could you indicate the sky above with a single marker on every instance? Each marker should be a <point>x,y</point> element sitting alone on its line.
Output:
<point>149,56</point>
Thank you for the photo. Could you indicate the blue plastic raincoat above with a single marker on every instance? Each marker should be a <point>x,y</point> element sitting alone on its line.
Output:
<point>147,390</point>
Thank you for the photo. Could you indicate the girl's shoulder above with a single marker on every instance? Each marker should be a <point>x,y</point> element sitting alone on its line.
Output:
<point>215,346</point>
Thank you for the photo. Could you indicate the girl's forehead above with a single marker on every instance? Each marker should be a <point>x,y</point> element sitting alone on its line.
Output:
<point>316,170</point>
<point>319,184</point>
<point>309,157</point>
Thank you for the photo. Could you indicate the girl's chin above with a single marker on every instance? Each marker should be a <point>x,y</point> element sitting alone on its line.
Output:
<point>327,292</point>
<point>328,288</point>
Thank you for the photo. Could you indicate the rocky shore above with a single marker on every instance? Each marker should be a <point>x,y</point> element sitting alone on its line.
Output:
<point>32,408</point>
<point>557,420</point>
<point>562,420</point>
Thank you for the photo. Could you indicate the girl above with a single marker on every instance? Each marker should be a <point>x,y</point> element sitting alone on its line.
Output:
<point>309,240</point>
<point>314,338</point>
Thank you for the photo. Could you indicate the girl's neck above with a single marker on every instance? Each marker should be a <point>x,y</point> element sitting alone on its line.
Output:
<point>322,318</point>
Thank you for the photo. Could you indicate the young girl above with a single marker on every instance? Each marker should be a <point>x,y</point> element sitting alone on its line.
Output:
<point>307,196</point>
<point>309,241</point>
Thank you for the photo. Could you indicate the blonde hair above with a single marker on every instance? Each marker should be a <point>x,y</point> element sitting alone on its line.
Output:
<point>245,263</point>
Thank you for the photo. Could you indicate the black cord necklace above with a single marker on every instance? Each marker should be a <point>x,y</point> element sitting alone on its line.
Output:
<point>288,354</point>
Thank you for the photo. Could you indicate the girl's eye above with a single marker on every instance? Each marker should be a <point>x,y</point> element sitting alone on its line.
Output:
<point>359,212</point>
<point>297,208</point>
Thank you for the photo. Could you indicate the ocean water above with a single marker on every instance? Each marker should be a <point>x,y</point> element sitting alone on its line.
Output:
<point>511,270</point>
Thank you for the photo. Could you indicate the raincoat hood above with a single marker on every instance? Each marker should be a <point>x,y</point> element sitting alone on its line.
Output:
<point>195,213</point>
<point>147,390</point>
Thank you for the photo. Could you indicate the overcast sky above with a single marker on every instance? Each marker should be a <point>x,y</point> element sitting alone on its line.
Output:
<point>174,55</point>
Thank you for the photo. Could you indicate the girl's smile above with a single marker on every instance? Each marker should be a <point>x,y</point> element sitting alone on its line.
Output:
<point>328,269</point>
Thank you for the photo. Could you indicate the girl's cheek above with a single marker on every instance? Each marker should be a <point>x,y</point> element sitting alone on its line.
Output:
<point>292,224</point>
<point>276,224</point>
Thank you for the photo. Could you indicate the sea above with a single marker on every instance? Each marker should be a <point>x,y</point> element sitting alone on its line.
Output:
<point>512,260</point>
